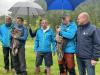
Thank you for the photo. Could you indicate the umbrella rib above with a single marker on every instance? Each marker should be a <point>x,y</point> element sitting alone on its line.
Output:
<point>73,4</point>
<point>33,9</point>
<point>16,10</point>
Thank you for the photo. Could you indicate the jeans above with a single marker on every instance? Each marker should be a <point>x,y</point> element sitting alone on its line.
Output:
<point>85,64</point>
<point>6,52</point>
<point>47,59</point>
<point>20,62</point>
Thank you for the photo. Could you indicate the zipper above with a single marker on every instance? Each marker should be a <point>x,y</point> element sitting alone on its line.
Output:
<point>44,36</point>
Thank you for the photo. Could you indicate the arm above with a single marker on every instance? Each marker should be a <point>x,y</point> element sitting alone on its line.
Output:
<point>25,35</point>
<point>36,44</point>
<point>96,45</point>
<point>69,34</point>
<point>33,34</point>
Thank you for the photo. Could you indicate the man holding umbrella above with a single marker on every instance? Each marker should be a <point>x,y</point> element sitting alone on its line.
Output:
<point>19,59</point>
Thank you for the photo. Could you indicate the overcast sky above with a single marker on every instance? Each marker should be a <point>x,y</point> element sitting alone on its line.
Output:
<point>6,4</point>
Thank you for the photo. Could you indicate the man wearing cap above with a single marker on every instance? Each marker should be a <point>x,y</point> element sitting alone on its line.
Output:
<point>67,31</point>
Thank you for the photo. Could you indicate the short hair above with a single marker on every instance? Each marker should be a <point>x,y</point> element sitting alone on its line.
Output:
<point>20,18</point>
<point>64,16</point>
<point>8,17</point>
<point>43,19</point>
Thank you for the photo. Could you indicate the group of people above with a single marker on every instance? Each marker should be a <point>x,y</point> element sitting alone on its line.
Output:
<point>72,38</point>
<point>8,38</point>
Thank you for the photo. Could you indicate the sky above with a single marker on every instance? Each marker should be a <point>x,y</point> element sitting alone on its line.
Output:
<point>6,4</point>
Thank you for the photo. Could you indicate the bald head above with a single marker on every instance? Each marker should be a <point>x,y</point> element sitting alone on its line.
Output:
<point>83,18</point>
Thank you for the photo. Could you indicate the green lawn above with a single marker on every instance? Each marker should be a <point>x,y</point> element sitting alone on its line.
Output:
<point>30,60</point>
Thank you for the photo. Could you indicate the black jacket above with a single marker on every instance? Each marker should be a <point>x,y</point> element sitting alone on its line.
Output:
<point>87,43</point>
<point>32,34</point>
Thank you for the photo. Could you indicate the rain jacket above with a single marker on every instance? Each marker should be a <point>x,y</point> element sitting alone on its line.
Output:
<point>69,33</point>
<point>5,34</point>
<point>45,41</point>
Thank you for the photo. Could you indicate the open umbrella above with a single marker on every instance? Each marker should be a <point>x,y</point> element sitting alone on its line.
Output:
<point>63,4</point>
<point>26,8</point>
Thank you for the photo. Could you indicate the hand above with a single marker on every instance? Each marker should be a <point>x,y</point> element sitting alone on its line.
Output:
<point>36,53</point>
<point>58,30</point>
<point>93,62</point>
<point>29,26</point>
<point>14,37</point>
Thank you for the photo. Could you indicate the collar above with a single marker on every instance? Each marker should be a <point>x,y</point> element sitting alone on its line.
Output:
<point>85,25</point>
<point>45,29</point>
<point>8,25</point>
<point>19,26</point>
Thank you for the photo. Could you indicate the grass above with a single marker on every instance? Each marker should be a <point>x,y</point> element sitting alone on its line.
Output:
<point>30,60</point>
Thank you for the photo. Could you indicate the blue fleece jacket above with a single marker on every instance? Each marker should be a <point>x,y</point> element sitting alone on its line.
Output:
<point>69,32</point>
<point>5,34</point>
<point>44,41</point>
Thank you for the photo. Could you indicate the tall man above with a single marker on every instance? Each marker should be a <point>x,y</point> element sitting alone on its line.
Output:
<point>19,59</point>
<point>67,30</point>
<point>5,35</point>
<point>86,45</point>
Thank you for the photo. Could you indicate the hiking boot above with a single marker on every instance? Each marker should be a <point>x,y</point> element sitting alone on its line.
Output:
<point>45,71</point>
<point>5,70</point>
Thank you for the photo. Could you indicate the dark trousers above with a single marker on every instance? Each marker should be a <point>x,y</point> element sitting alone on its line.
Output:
<point>20,62</point>
<point>6,52</point>
<point>85,64</point>
<point>67,65</point>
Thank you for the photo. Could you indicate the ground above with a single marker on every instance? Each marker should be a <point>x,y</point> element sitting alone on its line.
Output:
<point>30,60</point>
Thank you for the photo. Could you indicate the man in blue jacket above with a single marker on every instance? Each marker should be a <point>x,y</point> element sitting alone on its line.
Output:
<point>19,59</point>
<point>67,30</point>
<point>44,39</point>
<point>5,35</point>
<point>86,45</point>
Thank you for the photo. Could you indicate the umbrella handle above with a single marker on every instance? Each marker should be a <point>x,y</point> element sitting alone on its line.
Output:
<point>28,18</point>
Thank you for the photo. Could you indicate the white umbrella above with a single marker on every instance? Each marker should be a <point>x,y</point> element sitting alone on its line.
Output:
<point>26,8</point>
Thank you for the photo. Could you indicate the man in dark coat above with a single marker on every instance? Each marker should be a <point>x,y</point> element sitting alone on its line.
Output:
<point>86,45</point>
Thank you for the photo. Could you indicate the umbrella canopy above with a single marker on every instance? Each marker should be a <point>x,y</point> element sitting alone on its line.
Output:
<point>63,4</point>
<point>26,8</point>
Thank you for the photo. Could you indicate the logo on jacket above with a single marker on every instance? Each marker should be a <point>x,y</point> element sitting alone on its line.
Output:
<point>85,33</point>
